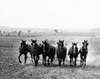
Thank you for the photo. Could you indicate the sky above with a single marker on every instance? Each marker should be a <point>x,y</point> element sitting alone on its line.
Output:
<point>64,14</point>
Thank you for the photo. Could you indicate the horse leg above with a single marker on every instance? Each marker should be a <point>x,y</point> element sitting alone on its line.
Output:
<point>70,61</point>
<point>19,57</point>
<point>75,60</point>
<point>85,60</point>
<point>25,58</point>
<point>34,58</point>
<point>63,61</point>
<point>48,60</point>
<point>51,60</point>
<point>31,57</point>
<point>38,57</point>
<point>45,61</point>
<point>36,61</point>
<point>59,61</point>
<point>80,60</point>
<point>42,59</point>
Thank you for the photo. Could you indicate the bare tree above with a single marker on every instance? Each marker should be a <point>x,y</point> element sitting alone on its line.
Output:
<point>19,33</point>
<point>29,31</point>
<point>0,32</point>
<point>56,31</point>
<point>8,34</point>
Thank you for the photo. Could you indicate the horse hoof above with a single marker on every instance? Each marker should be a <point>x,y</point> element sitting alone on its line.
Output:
<point>48,63</point>
<point>44,64</point>
<point>35,65</point>
<point>25,64</point>
<point>20,62</point>
<point>32,61</point>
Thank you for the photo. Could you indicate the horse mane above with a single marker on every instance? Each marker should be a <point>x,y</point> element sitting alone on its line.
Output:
<point>71,49</point>
<point>23,46</point>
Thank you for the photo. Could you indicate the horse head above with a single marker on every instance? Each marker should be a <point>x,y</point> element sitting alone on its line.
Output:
<point>23,43</point>
<point>45,46</point>
<point>85,44</point>
<point>33,42</point>
<point>61,43</point>
<point>74,47</point>
<point>74,44</point>
<point>58,45</point>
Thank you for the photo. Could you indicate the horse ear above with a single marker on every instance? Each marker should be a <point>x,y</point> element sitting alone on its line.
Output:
<point>86,40</point>
<point>45,41</point>
<point>35,40</point>
<point>76,44</point>
<point>59,40</point>
<point>42,41</point>
<point>21,39</point>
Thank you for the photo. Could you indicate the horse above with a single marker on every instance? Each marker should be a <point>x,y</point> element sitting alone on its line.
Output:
<point>48,51</point>
<point>61,52</point>
<point>83,53</point>
<point>73,53</point>
<point>36,51</point>
<point>24,49</point>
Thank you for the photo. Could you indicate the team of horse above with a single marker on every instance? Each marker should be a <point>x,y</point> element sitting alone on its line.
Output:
<point>49,52</point>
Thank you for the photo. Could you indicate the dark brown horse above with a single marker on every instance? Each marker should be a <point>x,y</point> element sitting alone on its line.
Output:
<point>36,51</point>
<point>48,51</point>
<point>61,52</point>
<point>73,53</point>
<point>24,49</point>
<point>83,53</point>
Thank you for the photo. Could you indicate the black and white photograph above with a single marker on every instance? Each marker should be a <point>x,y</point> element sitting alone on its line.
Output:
<point>49,39</point>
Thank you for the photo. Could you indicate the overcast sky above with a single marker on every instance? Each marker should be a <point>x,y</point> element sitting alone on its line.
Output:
<point>67,14</point>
